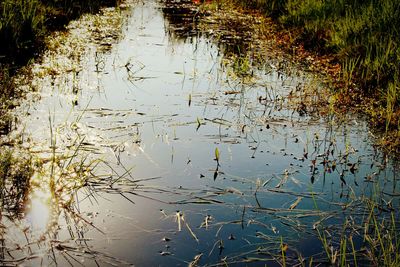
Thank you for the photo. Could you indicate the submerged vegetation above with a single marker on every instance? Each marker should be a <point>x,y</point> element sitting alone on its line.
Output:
<point>363,37</point>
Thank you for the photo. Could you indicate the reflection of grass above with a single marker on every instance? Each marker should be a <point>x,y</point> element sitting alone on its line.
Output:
<point>37,192</point>
<point>6,92</point>
<point>23,26</point>
<point>44,187</point>
<point>15,172</point>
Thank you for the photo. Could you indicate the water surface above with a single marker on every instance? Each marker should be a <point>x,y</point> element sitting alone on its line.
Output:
<point>153,109</point>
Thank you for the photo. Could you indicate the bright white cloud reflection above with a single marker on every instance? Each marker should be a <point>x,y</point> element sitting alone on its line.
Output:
<point>38,211</point>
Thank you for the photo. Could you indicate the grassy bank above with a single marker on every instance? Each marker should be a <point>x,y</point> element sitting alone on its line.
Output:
<point>25,23</point>
<point>363,37</point>
<point>23,27</point>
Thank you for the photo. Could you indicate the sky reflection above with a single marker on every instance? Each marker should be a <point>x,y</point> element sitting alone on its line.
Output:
<point>38,211</point>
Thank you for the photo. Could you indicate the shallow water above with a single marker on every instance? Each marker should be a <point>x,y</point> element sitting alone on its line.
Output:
<point>155,106</point>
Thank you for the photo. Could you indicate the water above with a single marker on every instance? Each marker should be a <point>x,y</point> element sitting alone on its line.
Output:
<point>149,110</point>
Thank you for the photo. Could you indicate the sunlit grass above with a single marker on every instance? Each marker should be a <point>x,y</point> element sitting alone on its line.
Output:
<point>363,37</point>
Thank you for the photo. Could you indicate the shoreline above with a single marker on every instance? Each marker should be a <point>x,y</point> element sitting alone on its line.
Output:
<point>347,91</point>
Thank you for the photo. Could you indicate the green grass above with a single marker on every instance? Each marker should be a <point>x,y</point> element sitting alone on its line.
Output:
<point>25,23</point>
<point>363,36</point>
<point>21,26</point>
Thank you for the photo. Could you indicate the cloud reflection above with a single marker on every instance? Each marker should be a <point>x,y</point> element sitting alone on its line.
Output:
<point>38,211</point>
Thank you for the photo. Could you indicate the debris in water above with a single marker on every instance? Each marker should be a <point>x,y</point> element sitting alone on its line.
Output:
<point>294,205</point>
<point>166,239</point>
<point>165,253</point>
<point>195,260</point>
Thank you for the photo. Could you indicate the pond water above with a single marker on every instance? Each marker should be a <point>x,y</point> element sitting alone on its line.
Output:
<point>192,155</point>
